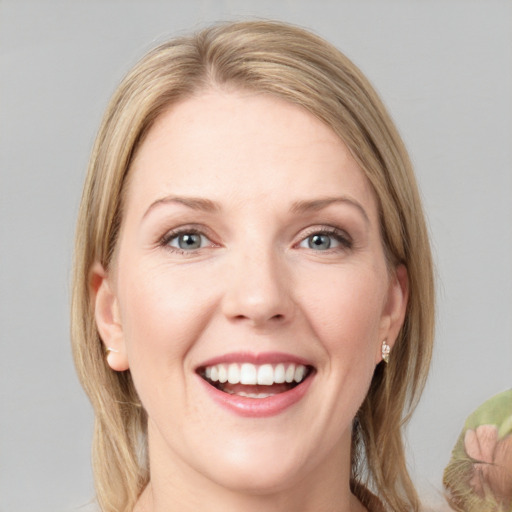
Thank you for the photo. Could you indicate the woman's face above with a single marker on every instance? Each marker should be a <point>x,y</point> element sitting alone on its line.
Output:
<point>250,251</point>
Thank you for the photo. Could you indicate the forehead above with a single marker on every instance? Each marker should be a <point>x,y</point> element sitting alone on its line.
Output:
<point>238,145</point>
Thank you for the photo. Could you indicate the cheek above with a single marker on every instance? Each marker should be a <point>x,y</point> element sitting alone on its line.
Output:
<point>162,313</point>
<point>345,309</point>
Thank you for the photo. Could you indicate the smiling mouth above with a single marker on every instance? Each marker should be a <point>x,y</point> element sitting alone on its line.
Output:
<point>255,381</point>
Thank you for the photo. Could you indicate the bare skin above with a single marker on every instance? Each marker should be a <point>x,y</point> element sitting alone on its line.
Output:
<point>248,229</point>
<point>146,504</point>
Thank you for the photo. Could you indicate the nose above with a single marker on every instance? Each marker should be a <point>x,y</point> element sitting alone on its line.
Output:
<point>258,290</point>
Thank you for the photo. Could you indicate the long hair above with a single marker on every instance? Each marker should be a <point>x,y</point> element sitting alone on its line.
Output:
<point>292,64</point>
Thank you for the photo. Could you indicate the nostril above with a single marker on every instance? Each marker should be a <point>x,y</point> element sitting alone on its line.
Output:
<point>277,319</point>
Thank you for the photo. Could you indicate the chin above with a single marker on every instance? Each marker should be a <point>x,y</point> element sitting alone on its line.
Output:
<point>262,480</point>
<point>256,469</point>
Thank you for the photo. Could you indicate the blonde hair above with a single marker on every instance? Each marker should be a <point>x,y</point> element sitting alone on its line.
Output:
<point>301,68</point>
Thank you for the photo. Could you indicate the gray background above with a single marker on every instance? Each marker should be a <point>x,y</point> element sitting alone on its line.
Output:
<point>444,68</point>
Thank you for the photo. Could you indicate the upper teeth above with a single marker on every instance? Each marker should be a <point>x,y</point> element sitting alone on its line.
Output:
<point>247,373</point>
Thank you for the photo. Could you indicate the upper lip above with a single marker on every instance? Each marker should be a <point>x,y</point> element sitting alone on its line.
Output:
<point>255,358</point>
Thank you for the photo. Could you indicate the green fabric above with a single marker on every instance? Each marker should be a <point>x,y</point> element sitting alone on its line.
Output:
<point>495,411</point>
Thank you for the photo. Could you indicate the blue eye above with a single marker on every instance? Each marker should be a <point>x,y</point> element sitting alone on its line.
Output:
<point>319,242</point>
<point>325,240</point>
<point>187,241</point>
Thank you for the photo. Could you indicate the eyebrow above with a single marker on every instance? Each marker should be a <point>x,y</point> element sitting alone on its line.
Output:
<point>206,205</point>
<point>320,204</point>
<point>194,203</point>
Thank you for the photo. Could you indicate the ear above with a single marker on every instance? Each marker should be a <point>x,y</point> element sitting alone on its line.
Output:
<point>108,321</point>
<point>395,308</point>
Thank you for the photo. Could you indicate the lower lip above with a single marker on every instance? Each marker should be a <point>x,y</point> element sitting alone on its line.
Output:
<point>258,407</point>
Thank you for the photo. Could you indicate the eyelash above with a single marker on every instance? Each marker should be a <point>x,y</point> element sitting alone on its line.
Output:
<point>338,235</point>
<point>185,230</point>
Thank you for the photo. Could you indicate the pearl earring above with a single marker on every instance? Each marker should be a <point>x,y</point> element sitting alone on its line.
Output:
<point>386,349</point>
<point>110,350</point>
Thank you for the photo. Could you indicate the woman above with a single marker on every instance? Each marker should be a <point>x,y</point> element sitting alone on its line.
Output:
<point>251,252</point>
